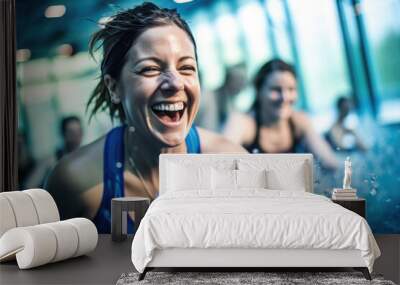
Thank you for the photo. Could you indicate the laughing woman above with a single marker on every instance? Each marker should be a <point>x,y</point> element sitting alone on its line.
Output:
<point>150,83</point>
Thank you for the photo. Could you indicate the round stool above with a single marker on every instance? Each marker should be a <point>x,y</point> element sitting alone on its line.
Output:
<point>119,211</point>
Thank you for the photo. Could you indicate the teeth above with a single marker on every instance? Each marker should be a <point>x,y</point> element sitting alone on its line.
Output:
<point>169,107</point>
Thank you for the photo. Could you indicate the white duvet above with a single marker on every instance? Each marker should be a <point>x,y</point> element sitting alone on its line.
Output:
<point>253,218</point>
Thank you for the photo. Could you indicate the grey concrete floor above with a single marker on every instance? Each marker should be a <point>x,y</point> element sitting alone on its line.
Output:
<point>106,264</point>
<point>389,262</point>
<point>102,266</point>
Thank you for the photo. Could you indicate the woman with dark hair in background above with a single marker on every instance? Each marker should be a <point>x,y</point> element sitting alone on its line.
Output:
<point>150,82</point>
<point>274,126</point>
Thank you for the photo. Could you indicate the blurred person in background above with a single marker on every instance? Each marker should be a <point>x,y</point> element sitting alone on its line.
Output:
<point>216,106</point>
<point>149,83</point>
<point>273,126</point>
<point>341,136</point>
<point>72,133</point>
<point>31,172</point>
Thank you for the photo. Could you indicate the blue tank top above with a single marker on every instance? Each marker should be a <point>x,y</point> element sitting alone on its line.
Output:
<point>113,174</point>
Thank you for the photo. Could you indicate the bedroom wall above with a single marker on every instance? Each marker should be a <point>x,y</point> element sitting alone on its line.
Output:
<point>55,77</point>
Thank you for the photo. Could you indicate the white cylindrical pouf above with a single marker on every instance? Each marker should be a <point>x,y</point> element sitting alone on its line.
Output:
<point>40,244</point>
<point>23,208</point>
<point>67,239</point>
<point>34,246</point>
<point>7,218</point>
<point>45,205</point>
<point>87,234</point>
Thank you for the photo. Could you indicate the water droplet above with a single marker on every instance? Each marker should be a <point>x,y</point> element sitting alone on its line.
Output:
<point>132,129</point>
<point>388,200</point>
<point>118,164</point>
<point>373,192</point>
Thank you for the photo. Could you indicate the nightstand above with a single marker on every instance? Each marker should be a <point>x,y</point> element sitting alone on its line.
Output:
<point>119,211</point>
<point>356,205</point>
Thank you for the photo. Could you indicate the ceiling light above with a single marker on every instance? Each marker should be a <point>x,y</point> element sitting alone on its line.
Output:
<point>182,1</point>
<point>55,11</point>
<point>23,55</point>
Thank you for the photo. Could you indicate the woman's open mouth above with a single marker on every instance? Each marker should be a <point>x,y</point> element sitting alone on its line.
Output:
<point>169,113</point>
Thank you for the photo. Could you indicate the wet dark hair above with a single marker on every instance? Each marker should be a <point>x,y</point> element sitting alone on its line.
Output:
<point>262,75</point>
<point>65,121</point>
<point>116,38</point>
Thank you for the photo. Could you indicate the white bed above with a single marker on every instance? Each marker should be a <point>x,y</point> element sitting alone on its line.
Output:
<point>215,211</point>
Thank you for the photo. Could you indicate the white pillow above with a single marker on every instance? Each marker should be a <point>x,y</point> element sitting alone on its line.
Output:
<point>183,177</point>
<point>251,178</point>
<point>223,179</point>
<point>282,174</point>
<point>295,180</point>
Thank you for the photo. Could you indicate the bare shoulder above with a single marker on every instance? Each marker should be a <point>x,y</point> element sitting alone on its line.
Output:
<point>73,175</point>
<point>212,142</point>
<point>242,119</point>
<point>79,167</point>
<point>300,116</point>
<point>302,120</point>
<point>240,128</point>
